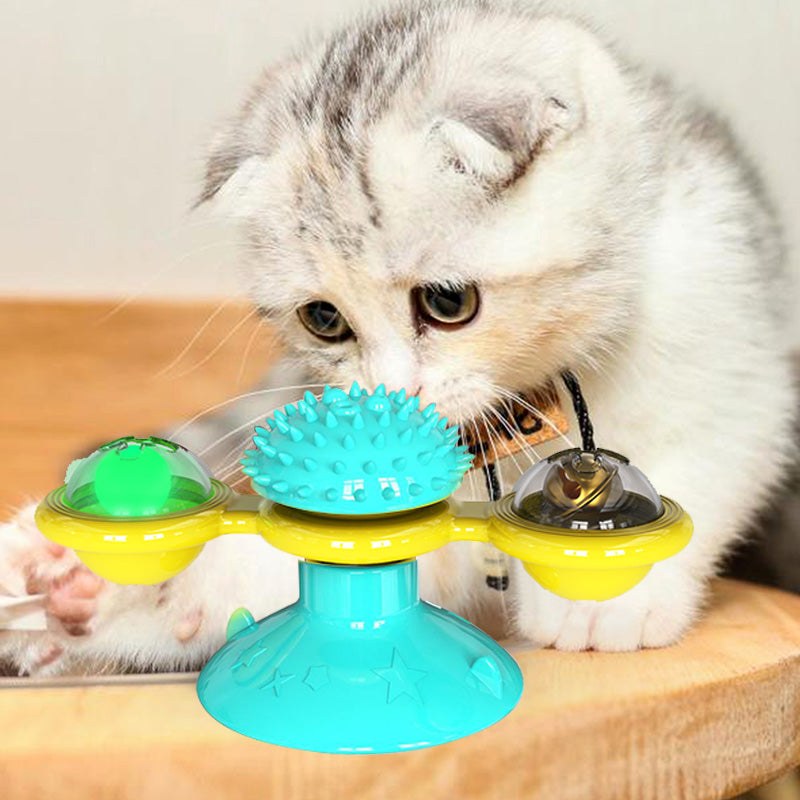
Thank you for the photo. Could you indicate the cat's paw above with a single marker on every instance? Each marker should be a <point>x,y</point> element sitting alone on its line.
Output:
<point>71,599</point>
<point>189,626</point>
<point>656,613</point>
<point>33,565</point>
<point>41,656</point>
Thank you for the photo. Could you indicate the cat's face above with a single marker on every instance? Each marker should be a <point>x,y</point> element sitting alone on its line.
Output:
<point>460,254</point>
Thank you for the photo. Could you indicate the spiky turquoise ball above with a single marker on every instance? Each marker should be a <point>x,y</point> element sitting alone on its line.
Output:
<point>356,453</point>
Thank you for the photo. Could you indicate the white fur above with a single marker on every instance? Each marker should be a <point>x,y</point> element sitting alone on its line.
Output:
<point>635,249</point>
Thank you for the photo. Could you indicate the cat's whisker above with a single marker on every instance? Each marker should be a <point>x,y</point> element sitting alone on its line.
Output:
<point>489,424</point>
<point>230,473</point>
<point>471,471</point>
<point>230,466</point>
<point>476,493</point>
<point>255,393</point>
<point>236,484</point>
<point>248,347</point>
<point>490,432</point>
<point>233,478</point>
<point>226,478</point>
<point>231,460</point>
<point>517,437</point>
<point>535,411</point>
<point>250,422</point>
<point>156,277</point>
<point>188,346</point>
<point>231,456</point>
<point>208,356</point>
<point>525,447</point>
<point>238,429</point>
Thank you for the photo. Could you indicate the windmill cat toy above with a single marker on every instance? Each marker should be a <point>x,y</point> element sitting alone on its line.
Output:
<point>357,485</point>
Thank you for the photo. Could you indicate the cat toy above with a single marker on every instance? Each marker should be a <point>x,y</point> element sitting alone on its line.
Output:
<point>357,485</point>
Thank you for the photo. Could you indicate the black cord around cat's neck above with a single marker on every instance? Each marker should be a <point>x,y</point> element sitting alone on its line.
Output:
<point>492,484</point>
<point>581,410</point>
<point>584,423</point>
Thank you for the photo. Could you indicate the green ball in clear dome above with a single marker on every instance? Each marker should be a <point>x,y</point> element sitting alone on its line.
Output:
<point>132,477</point>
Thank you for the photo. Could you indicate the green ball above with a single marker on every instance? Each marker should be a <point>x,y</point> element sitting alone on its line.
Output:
<point>133,481</point>
<point>133,478</point>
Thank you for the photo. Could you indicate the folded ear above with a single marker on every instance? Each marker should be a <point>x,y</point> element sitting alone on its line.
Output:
<point>506,92</point>
<point>243,146</point>
<point>466,150</point>
<point>496,142</point>
<point>226,154</point>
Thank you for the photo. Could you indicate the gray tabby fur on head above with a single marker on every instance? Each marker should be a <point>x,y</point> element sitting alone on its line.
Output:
<point>450,143</point>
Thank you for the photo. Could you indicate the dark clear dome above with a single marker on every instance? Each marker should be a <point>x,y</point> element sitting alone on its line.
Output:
<point>132,477</point>
<point>579,490</point>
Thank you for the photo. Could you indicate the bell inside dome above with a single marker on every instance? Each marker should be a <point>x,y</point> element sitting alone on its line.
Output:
<point>586,490</point>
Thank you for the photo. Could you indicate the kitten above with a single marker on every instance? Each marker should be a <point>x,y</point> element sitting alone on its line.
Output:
<point>464,199</point>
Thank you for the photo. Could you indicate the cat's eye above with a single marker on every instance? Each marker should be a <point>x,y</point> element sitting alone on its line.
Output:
<point>447,306</point>
<point>325,321</point>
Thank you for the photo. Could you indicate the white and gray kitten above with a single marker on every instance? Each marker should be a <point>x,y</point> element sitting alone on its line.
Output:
<point>465,199</point>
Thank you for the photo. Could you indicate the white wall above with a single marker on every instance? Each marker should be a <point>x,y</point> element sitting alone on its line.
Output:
<point>107,105</point>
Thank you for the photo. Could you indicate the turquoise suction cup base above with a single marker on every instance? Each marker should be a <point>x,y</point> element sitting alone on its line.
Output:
<point>358,665</point>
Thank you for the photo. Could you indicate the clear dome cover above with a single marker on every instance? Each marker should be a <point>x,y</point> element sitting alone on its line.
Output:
<point>132,477</point>
<point>586,490</point>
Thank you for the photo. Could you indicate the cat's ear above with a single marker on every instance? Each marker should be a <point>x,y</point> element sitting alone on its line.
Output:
<point>465,149</point>
<point>510,91</point>
<point>227,156</point>
<point>238,192</point>
<point>496,143</point>
<point>239,153</point>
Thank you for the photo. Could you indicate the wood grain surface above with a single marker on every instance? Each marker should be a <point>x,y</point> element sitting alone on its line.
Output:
<point>715,715</point>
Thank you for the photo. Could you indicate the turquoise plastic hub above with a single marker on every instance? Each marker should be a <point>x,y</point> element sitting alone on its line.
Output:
<point>356,453</point>
<point>358,665</point>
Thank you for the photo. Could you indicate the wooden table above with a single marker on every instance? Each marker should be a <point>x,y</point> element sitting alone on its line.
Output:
<point>715,715</point>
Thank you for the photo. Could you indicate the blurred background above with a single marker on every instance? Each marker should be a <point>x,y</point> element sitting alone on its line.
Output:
<point>108,106</point>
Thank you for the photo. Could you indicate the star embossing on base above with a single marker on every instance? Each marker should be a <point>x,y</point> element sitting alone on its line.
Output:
<point>317,677</point>
<point>402,679</point>
<point>251,654</point>
<point>275,683</point>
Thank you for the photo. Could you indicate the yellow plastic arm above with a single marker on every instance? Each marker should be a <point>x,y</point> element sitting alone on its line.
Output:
<point>241,514</point>
<point>579,566</point>
<point>375,540</point>
<point>470,521</point>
